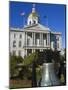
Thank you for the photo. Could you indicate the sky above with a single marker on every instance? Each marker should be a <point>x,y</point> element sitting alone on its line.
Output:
<point>56,16</point>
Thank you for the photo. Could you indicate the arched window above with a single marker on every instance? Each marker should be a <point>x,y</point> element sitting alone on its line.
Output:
<point>14,43</point>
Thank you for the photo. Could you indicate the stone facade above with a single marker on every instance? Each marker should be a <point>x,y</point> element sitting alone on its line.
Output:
<point>34,36</point>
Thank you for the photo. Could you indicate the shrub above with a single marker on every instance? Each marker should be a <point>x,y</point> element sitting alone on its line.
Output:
<point>14,60</point>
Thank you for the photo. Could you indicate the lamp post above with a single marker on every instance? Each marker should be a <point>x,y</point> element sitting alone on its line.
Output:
<point>34,80</point>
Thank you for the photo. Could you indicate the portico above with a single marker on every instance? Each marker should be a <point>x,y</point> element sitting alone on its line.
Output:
<point>36,41</point>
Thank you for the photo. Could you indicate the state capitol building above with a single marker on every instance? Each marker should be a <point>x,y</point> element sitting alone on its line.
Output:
<point>33,36</point>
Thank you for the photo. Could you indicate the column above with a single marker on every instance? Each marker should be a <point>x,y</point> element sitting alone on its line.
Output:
<point>26,38</point>
<point>60,42</point>
<point>40,50</point>
<point>48,39</point>
<point>42,39</point>
<point>34,39</point>
<point>34,50</point>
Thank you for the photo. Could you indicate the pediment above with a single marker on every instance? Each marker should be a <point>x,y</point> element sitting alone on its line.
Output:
<point>37,27</point>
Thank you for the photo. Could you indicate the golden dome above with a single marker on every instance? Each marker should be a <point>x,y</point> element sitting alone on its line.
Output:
<point>31,15</point>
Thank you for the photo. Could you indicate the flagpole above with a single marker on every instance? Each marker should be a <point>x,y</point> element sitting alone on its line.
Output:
<point>46,20</point>
<point>23,15</point>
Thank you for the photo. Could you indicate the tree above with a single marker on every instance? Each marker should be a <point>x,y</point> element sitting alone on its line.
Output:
<point>56,56</point>
<point>48,56</point>
<point>30,58</point>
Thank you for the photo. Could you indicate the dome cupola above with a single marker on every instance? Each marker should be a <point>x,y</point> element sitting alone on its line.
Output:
<point>33,17</point>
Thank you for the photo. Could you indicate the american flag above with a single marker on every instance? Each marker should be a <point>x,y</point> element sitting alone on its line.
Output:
<point>22,14</point>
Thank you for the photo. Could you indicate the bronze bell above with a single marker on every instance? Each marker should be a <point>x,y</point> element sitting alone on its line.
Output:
<point>49,77</point>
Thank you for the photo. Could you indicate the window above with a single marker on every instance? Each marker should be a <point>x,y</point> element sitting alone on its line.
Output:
<point>14,52</point>
<point>14,43</point>
<point>20,35</point>
<point>14,35</point>
<point>20,43</point>
<point>34,22</point>
<point>19,53</point>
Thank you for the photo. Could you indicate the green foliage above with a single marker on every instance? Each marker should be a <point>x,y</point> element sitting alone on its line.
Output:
<point>38,57</point>
<point>46,56</point>
<point>50,56</point>
<point>14,60</point>
<point>25,73</point>
<point>30,58</point>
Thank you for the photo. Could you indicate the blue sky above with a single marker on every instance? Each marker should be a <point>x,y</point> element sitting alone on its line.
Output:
<point>55,14</point>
